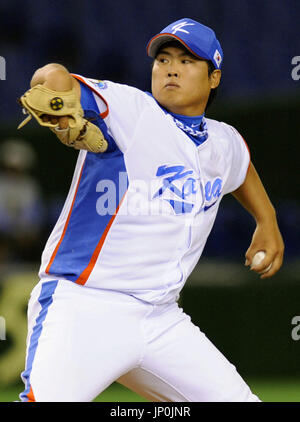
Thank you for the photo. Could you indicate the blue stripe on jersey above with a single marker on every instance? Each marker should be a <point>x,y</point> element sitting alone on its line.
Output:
<point>45,300</point>
<point>86,224</point>
<point>87,99</point>
<point>100,179</point>
<point>91,112</point>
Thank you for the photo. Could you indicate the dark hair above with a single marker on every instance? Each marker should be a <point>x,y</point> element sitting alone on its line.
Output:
<point>210,66</point>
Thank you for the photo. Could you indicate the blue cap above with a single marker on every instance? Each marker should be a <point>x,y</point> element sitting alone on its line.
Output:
<point>199,39</point>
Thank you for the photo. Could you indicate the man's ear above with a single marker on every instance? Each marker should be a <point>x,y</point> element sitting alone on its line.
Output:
<point>215,78</point>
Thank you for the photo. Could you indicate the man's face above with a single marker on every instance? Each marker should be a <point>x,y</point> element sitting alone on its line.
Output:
<point>180,81</point>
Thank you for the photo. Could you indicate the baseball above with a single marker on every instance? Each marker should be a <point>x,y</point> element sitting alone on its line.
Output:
<point>258,258</point>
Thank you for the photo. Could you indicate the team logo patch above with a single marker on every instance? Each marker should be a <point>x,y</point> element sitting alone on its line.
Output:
<point>94,81</point>
<point>217,58</point>
<point>56,103</point>
<point>100,84</point>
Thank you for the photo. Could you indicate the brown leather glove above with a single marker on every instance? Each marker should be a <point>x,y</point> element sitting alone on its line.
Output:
<point>40,101</point>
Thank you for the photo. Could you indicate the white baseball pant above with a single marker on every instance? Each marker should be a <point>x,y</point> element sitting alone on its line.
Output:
<point>80,340</point>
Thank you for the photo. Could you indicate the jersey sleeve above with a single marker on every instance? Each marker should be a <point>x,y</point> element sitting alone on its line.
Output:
<point>239,160</point>
<point>117,106</point>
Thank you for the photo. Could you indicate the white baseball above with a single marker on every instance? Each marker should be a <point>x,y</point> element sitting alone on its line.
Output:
<point>258,258</point>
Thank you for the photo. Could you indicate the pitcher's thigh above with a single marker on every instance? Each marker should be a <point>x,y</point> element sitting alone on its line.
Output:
<point>183,365</point>
<point>77,348</point>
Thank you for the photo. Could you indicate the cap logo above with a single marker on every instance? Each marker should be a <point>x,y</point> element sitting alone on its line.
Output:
<point>217,58</point>
<point>179,26</point>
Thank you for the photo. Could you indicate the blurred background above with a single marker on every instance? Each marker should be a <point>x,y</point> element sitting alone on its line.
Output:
<point>248,319</point>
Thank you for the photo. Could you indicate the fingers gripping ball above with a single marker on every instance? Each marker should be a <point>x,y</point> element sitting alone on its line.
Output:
<point>81,134</point>
<point>258,258</point>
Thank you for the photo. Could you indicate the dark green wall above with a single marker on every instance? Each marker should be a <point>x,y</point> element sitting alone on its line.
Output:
<point>271,129</point>
<point>251,324</point>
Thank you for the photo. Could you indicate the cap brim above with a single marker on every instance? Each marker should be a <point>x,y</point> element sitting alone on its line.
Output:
<point>158,40</point>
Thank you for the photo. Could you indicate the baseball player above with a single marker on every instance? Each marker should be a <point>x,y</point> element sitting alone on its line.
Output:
<point>150,175</point>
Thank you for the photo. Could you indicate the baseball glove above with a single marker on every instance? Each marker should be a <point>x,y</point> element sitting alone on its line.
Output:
<point>40,101</point>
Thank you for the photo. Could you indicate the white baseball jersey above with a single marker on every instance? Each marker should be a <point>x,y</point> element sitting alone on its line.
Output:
<point>137,217</point>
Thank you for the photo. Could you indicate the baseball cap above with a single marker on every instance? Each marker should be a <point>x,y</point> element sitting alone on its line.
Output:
<point>196,37</point>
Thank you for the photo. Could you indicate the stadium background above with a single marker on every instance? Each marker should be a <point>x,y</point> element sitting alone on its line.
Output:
<point>249,320</point>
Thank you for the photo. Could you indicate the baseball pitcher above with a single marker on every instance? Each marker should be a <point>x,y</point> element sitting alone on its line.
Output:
<point>151,172</point>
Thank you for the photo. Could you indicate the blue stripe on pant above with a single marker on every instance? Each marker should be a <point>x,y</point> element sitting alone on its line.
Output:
<point>45,299</point>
